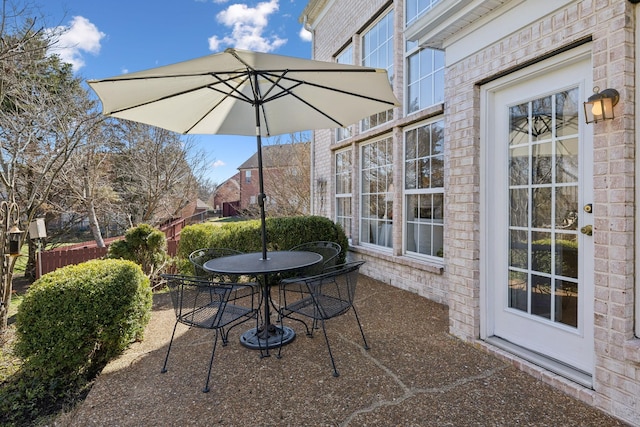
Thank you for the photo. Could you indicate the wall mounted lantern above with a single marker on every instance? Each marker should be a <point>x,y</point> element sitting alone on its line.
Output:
<point>600,105</point>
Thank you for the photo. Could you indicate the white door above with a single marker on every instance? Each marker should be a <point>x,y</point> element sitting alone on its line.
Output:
<point>537,185</point>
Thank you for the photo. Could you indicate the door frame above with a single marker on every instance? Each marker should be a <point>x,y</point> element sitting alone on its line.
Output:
<point>488,198</point>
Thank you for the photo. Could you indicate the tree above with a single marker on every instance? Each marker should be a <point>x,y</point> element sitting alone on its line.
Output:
<point>156,172</point>
<point>85,185</point>
<point>44,115</point>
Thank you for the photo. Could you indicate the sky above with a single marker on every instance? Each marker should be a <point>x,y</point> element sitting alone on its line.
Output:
<point>107,38</point>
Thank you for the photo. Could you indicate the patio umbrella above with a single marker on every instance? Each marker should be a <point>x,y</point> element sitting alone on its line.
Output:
<point>238,92</point>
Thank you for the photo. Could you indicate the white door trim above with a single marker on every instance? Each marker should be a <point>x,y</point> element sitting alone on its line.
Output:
<point>488,197</point>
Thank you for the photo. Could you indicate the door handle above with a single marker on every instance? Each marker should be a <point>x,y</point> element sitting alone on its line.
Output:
<point>587,230</point>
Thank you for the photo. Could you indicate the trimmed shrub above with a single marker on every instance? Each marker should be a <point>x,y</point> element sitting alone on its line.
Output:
<point>144,245</point>
<point>73,320</point>
<point>283,233</point>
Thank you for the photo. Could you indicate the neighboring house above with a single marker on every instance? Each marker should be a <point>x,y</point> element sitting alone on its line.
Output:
<point>286,179</point>
<point>226,198</point>
<point>198,210</point>
<point>487,190</point>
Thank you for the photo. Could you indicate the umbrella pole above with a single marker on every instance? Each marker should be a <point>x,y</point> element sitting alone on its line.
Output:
<point>261,196</point>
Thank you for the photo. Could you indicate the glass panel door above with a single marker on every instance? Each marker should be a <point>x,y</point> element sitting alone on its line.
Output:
<point>537,252</point>
<point>543,201</point>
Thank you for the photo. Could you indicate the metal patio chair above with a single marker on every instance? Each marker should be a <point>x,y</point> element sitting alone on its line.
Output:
<point>328,250</point>
<point>320,298</point>
<point>200,256</point>
<point>202,303</point>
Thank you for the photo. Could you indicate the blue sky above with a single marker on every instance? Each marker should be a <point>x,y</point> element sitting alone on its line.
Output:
<point>107,38</point>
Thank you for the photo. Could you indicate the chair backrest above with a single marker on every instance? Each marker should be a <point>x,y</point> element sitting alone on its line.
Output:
<point>200,256</point>
<point>335,289</point>
<point>201,302</point>
<point>328,250</point>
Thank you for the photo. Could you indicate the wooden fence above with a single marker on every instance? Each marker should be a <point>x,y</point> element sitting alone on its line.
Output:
<point>81,252</point>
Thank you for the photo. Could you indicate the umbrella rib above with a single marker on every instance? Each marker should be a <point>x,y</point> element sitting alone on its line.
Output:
<point>289,92</point>
<point>329,88</point>
<point>208,73</point>
<point>235,93</point>
<point>276,79</point>
<point>162,98</point>
<point>208,85</point>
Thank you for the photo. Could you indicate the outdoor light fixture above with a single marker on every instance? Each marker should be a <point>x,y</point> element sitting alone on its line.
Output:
<point>15,235</point>
<point>600,105</point>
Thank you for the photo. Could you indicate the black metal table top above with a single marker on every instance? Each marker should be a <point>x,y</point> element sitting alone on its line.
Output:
<point>252,263</point>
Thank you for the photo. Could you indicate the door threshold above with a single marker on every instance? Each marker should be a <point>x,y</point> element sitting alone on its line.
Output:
<point>555,366</point>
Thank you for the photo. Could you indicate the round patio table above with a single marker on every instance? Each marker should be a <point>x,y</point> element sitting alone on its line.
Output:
<point>268,335</point>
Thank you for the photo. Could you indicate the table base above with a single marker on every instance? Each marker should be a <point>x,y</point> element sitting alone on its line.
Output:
<point>255,339</point>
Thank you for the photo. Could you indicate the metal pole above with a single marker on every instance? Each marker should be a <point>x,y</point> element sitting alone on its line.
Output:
<point>261,196</point>
<point>39,258</point>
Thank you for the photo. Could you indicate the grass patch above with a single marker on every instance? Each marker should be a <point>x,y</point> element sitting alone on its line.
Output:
<point>228,219</point>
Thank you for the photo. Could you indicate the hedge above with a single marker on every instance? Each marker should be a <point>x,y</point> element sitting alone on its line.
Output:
<point>283,233</point>
<point>73,320</point>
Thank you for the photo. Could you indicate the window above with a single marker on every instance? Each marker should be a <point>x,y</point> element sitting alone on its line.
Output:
<point>345,57</point>
<point>343,190</point>
<point>377,52</point>
<point>377,192</point>
<point>425,78</point>
<point>424,189</point>
<point>247,177</point>
<point>415,8</point>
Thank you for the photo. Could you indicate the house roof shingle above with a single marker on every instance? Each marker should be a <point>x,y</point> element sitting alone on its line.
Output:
<point>277,155</point>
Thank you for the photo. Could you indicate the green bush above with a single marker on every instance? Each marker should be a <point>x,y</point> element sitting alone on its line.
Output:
<point>144,245</point>
<point>73,320</point>
<point>283,233</point>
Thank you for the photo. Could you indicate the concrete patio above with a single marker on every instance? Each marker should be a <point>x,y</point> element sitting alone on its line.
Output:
<point>415,374</point>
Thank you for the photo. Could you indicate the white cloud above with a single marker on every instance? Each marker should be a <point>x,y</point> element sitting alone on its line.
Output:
<point>248,26</point>
<point>218,163</point>
<point>73,41</point>
<point>305,35</point>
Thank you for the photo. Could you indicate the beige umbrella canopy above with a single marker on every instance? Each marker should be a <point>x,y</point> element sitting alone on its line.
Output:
<point>238,92</point>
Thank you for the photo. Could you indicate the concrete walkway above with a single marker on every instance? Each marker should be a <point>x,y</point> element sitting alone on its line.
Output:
<point>415,374</point>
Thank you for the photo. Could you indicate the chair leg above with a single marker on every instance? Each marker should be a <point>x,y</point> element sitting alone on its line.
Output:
<point>326,338</point>
<point>213,352</point>
<point>164,367</point>
<point>366,346</point>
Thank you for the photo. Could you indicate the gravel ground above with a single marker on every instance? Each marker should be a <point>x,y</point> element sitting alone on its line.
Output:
<point>415,374</point>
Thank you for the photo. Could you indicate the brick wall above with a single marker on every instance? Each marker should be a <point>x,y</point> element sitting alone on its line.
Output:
<point>612,25</point>
<point>228,191</point>
<point>249,189</point>
<point>616,379</point>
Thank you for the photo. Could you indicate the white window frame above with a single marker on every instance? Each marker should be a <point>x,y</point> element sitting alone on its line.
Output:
<point>368,61</point>
<point>344,196</point>
<point>345,57</point>
<point>421,192</point>
<point>420,7</point>
<point>430,79</point>
<point>379,226</point>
